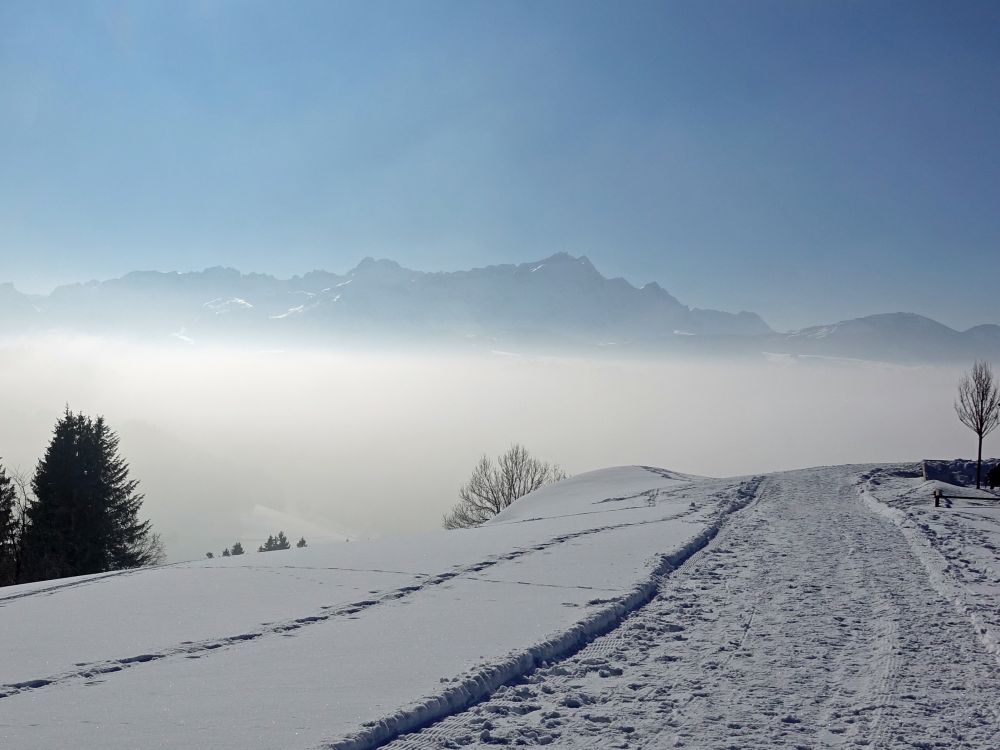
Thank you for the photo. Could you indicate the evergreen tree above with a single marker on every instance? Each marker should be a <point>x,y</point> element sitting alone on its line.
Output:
<point>275,543</point>
<point>85,518</point>
<point>129,538</point>
<point>301,543</point>
<point>210,555</point>
<point>237,549</point>
<point>225,552</point>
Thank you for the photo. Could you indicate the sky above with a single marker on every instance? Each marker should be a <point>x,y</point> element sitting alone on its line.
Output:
<point>807,161</point>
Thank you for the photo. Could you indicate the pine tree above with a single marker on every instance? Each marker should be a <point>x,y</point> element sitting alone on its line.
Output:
<point>129,542</point>
<point>210,555</point>
<point>237,549</point>
<point>62,530</point>
<point>85,518</point>
<point>301,543</point>
<point>275,543</point>
<point>225,552</point>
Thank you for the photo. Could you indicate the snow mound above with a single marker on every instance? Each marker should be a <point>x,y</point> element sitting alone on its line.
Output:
<point>628,485</point>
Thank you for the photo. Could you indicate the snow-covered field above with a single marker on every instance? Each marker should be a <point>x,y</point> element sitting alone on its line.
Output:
<point>629,607</point>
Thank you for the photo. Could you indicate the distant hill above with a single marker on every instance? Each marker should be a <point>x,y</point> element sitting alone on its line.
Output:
<point>893,337</point>
<point>558,303</point>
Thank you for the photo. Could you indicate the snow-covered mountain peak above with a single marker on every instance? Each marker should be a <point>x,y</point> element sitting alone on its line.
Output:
<point>560,299</point>
<point>549,304</point>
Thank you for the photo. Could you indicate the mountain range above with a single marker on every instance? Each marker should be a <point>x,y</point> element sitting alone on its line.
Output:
<point>558,303</point>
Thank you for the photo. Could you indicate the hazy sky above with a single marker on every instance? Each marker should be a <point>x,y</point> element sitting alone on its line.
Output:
<point>806,160</point>
<point>238,445</point>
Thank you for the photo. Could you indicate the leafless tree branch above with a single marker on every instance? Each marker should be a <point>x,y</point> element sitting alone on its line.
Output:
<point>978,405</point>
<point>495,485</point>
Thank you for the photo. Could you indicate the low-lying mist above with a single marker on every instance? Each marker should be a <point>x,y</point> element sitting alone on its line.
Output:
<point>237,444</point>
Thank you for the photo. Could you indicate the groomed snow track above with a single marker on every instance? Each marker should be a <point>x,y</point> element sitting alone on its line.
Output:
<point>809,622</point>
<point>473,688</point>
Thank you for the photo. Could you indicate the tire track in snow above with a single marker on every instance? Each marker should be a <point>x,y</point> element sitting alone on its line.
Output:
<point>199,649</point>
<point>58,587</point>
<point>484,681</point>
<point>807,623</point>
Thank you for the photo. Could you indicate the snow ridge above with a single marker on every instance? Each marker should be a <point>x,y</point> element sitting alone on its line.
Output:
<point>934,563</point>
<point>481,683</point>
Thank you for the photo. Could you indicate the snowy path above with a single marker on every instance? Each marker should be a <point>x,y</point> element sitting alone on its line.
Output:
<point>809,622</point>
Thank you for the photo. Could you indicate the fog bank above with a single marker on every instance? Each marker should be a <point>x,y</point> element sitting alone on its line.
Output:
<point>236,444</point>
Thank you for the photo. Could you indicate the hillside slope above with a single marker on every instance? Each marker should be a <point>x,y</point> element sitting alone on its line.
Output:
<point>793,610</point>
<point>299,648</point>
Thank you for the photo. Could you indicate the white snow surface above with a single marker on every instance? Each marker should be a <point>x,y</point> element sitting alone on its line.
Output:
<point>302,648</point>
<point>628,607</point>
<point>812,620</point>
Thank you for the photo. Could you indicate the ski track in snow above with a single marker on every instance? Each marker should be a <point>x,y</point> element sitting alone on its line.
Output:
<point>809,622</point>
<point>193,650</point>
<point>471,688</point>
<point>836,609</point>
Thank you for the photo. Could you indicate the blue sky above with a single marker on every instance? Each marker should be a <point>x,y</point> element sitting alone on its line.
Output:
<point>808,161</point>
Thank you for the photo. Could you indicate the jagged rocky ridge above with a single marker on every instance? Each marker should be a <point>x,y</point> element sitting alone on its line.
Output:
<point>551,304</point>
<point>560,298</point>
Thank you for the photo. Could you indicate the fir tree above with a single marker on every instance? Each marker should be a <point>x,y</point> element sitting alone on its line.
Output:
<point>237,549</point>
<point>301,543</point>
<point>210,555</point>
<point>225,552</point>
<point>274,543</point>
<point>85,518</point>
<point>129,538</point>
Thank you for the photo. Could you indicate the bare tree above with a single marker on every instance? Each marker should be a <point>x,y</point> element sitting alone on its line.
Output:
<point>978,406</point>
<point>495,485</point>
<point>16,499</point>
<point>151,551</point>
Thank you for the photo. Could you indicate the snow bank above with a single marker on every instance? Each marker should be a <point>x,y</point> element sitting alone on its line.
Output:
<point>957,545</point>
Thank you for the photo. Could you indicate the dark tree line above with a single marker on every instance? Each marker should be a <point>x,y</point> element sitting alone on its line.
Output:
<point>236,549</point>
<point>273,543</point>
<point>80,512</point>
